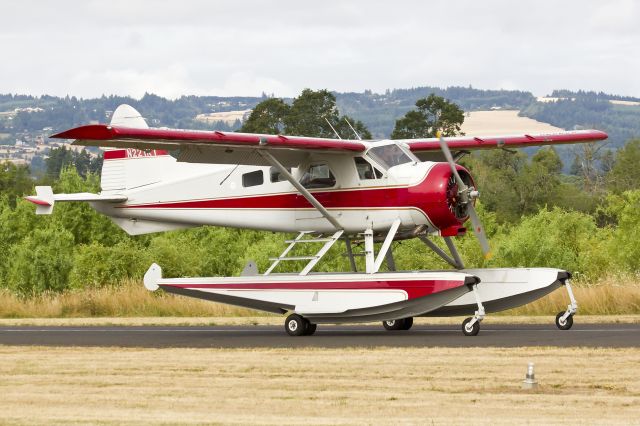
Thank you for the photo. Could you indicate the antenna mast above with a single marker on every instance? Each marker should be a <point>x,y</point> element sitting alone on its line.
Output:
<point>334,130</point>
<point>354,130</point>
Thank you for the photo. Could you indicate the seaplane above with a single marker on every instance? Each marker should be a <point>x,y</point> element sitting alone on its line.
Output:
<point>364,194</point>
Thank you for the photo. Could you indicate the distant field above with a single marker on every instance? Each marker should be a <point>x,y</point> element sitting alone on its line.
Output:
<point>228,117</point>
<point>502,122</point>
<point>427,386</point>
<point>4,135</point>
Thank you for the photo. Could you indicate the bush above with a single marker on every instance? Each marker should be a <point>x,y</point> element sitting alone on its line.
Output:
<point>98,266</point>
<point>552,238</point>
<point>42,261</point>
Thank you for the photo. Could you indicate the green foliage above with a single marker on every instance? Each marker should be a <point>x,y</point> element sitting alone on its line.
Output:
<point>623,244</point>
<point>433,113</point>
<point>625,173</point>
<point>95,265</point>
<point>61,158</point>
<point>41,261</point>
<point>567,240</point>
<point>14,181</point>
<point>307,116</point>
<point>267,117</point>
<point>79,218</point>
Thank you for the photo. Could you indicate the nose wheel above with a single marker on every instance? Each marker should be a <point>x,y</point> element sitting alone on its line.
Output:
<point>564,320</point>
<point>471,325</point>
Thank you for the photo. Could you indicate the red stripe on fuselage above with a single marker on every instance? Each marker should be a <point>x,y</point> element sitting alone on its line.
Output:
<point>428,196</point>
<point>413,288</point>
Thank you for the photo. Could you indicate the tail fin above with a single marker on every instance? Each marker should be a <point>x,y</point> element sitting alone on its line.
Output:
<point>125,169</point>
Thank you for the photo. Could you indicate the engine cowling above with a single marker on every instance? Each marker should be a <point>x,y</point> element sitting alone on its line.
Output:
<point>440,199</point>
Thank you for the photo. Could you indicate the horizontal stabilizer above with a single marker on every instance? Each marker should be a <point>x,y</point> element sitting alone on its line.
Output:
<point>45,198</point>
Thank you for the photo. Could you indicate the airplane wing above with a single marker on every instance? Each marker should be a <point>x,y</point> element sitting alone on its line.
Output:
<point>425,148</point>
<point>209,146</point>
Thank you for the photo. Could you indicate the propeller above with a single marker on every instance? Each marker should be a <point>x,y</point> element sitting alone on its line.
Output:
<point>467,194</point>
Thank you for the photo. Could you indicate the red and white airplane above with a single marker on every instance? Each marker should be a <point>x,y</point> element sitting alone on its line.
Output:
<point>326,190</point>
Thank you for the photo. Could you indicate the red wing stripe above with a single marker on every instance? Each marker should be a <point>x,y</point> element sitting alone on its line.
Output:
<point>509,141</point>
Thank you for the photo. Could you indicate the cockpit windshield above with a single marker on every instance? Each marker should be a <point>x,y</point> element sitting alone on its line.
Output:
<point>389,156</point>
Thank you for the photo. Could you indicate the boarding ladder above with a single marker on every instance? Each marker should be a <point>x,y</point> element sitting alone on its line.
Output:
<point>300,239</point>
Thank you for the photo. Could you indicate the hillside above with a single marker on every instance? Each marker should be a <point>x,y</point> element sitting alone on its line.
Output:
<point>27,121</point>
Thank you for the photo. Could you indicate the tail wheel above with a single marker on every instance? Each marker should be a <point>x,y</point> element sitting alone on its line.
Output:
<point>564,324</point>
<point>470,330</point>
<point>295,325</point>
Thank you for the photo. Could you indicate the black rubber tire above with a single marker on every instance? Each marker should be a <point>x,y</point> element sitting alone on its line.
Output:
<point>568,322</point>
<point>408,323</point>
<point>311,328</point>
<point>295,325</point>
<point>393,325</point>
<point>475,329</point>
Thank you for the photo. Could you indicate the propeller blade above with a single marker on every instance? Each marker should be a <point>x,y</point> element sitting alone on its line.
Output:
<point>447,154</point>
<point>478,230</point>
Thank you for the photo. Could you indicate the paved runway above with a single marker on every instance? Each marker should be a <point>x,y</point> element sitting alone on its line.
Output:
<point>591,335</point>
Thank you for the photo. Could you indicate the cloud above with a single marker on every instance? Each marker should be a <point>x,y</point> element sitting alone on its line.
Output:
<point>248,47</point>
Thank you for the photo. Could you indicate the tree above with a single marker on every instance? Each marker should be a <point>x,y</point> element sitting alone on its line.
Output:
<point>625,173</point>
<point>433,113</point>
<point>267,117</point>
<point>309,114</point>
<point>14,181</point>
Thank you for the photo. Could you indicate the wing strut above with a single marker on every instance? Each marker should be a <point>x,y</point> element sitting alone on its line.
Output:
<point>310,198</point>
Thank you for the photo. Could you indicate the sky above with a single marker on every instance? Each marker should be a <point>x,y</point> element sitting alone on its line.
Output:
<point>88,48</point>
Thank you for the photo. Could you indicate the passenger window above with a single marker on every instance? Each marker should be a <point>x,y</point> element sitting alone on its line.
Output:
<point>366,170</point>
<point>253,178</point>
<point>276,176</point>
<point>318,176</point>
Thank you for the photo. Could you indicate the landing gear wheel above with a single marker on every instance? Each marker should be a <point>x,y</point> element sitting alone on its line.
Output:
<point>470,330</point>
<point>399,324</point>
<point>393,325</point>
<point>295,325</point>
<point>566,324</point>
<point>408,322</point>
<point>311,328</point>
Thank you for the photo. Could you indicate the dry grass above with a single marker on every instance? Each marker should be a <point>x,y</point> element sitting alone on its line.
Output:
<point>130,299</point>
<point>607,297</point>
<point>317,386</point>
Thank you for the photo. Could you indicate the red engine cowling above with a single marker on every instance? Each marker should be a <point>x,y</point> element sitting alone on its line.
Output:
<point>440,201</point>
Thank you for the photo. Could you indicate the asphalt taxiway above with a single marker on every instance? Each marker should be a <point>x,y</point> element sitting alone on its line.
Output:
<point>330,336</point>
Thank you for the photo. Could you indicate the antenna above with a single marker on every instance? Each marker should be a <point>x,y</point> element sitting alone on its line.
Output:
<point>354,130</point>
<point>334,130</point>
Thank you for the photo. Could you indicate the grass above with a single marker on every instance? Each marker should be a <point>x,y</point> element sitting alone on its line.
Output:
<point>607,297</point>
<point>317,386</point>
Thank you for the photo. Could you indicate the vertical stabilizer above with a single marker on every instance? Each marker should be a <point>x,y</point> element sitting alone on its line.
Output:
<point>125,169</point>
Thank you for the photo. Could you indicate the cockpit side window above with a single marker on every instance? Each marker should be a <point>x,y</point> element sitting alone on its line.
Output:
<point>389,156</point>
<point>318,176</point>
<point>366,170</point>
